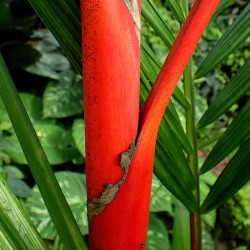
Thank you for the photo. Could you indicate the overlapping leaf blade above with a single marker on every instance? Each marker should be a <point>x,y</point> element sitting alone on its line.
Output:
<point>236,133</point>
<point>15,222</point>
<point>233,177</point>
<point>233,91</point>
<point>168,173</point>
<point>153,17</point>
<point>177,10</point>
<point>231,40</point>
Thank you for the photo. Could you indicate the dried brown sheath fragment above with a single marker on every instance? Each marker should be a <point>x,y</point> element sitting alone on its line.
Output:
<point>97,205</point>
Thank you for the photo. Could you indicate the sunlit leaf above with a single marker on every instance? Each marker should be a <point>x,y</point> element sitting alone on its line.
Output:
<point>74,188</point>
<point>161,198</point>
<point>63,98</point>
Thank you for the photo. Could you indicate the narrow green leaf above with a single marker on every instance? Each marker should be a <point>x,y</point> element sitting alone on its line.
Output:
<point>63,20</point>
<point>9,235</point>
<point>174,150</point>
<point>233,91</point>
<point>233,177</point>
<point>150,61</point>
<point>15,222</point>
<point>223,4</point>
<point>181,230</point>
<point>177,10</point>
<point>237,132</point>
<point>154,18</point>
<point>234,36</point>
<point>174,122</point>
<point>170,176</point>
<point>39,165</point>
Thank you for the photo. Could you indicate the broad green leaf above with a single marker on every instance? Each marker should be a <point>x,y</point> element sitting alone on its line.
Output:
<point>153,17</point>
<point>233,177</point>
<point>64,98</point>
<point>181,230</point>
<point>48,64</point>
<point>234,36</point>
<point>73,186</point>
<point>14,219</point>
<point>78,133</point>
<point>12,147</point>
<point>33,106</point>
<point>157,237</point>
<point>63,20</point>
<point>19,187</point>
<point>56,141</point>
<point>236,133</point>
<point>5,123</point>
<point>207,241</point>
<point>232,92</point>
<point>13,170</point>
<point>40,168</point>
<point>241,248</point>
<point>177,10</point>
<point>14,176</point>
<point>161,198</point>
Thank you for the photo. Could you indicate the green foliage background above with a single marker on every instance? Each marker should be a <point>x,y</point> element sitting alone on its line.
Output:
<point>51,90</point>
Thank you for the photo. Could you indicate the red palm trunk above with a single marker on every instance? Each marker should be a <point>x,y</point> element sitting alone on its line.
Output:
<point>111,104</point>
<point>111,65</point>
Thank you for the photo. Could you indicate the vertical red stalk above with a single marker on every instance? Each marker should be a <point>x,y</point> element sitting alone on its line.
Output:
<point>111,106</point>
<point>111,66</point>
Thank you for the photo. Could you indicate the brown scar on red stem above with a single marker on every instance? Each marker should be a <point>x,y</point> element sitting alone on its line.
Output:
<point>97,205</point>
<point>133,9</point>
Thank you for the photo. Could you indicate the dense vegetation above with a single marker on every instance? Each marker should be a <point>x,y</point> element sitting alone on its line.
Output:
<point>51,91</point>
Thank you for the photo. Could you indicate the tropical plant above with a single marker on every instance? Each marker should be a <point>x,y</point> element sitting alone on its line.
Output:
<point>120,140</point>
